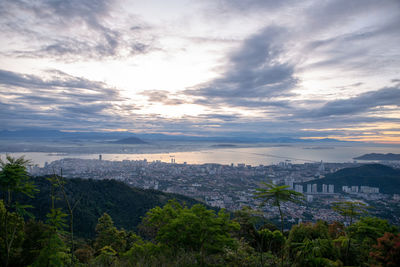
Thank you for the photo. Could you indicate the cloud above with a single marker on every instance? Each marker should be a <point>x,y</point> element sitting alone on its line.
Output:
<point>72,29</point>
<point>360,104</point>
<point>245,6</point>
<point>254,74</point>
<point>162,96</point>
<point>59,100</point>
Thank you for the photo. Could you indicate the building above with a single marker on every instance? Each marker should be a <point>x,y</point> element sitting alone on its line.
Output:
<point>289,182</point>
<point>369,190</point>
<point>298,188</point>
<point>324,188</point>
<point>321,167</point>
<point>314,188</point>
<point>331,189</point>
<point>309,191</point>
<point>354,189</point>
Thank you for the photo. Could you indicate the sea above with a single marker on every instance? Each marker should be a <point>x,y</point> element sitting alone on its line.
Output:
<point>261,155</point>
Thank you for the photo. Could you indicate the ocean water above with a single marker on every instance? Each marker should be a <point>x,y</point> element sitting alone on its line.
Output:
<point>266,155</point>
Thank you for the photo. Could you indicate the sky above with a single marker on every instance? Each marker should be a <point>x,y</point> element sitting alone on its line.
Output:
<point>304,69</point>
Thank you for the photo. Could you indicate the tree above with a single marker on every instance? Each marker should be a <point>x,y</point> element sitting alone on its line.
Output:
<point>109,236</point>
<point>11,234</point>
<point>349,210</point>
<point>194,229</point>
<point>364,234</point>
<point>58,181</point>
<point>387,251</point>
<point>277,194</point>
<point>14,178</point>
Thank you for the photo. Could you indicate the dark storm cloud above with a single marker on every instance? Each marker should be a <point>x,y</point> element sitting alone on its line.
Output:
<point>254,74</point>
<point>359,104</point>
<point>70,29</point>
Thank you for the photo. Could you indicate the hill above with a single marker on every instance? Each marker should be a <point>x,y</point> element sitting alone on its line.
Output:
<point>126,205</point>
<point>376,175</point>
<point>379,156</point>
<point>130,141</point>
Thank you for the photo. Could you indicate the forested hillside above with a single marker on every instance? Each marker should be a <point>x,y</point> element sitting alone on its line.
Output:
<point>376,175</point>
<point>126,205</point>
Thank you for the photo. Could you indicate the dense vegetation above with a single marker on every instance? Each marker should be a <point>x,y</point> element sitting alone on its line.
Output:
<point>175,234</point>
<point>376,175</point>
<point>126,205</point>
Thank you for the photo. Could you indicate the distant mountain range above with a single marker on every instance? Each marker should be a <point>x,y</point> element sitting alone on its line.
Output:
<point>129,141</point>
<point>375,175</point>
<point>55,135</point>
<point>379,156</point>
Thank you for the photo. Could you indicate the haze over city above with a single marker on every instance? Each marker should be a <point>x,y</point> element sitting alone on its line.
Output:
<point>301,69</point>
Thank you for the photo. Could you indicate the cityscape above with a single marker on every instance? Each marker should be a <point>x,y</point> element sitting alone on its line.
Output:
<point>232,186</point>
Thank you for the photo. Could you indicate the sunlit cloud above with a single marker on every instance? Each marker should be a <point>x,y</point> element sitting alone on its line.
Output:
<point>303,69</point>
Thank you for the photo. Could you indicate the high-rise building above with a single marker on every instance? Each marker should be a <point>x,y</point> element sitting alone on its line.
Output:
<point>321,167</point>
<point>289,182</point>
<point>354,189</point>
<point>298,188</point>
<point>309,188</point>
<point>100,157</point>
<point>324,188</point>
<point>314,188</point>
<point>331,189</point>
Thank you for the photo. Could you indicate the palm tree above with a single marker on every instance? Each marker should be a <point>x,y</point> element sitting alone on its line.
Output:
<point>277,194</point>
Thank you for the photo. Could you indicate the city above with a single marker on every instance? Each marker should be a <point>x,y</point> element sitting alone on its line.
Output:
<point>233,186</point>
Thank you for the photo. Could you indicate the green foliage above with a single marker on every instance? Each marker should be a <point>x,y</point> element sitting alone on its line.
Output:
<point>56,218</point>
<point>277,194</point>
<point>31,247</point>
<point>350,209</point>
<point>249,220</point>
<point>107,235</point>
<point>126,205</point>
<point>311,245</point>
<point>54,252</point>
<point>271,241</point>
<point>195,229</point>
<point>316,252</point>
<point>11,235</point>
<point>14,177</point>
<point>106,258</point>
<point>364,235</point>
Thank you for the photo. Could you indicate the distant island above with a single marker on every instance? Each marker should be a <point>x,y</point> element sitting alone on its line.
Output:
<point>223,145</point>
<point>379,156</point>
<point>130,141</point>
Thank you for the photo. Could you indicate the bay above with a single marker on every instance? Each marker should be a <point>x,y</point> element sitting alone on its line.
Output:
<point>265,154</point>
